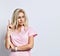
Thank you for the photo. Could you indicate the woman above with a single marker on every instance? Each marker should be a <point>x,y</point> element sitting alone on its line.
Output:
<point>19,37</point>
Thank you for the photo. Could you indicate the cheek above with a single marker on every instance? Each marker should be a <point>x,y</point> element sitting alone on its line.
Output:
<point>23,19</point>
<point>18,20</point>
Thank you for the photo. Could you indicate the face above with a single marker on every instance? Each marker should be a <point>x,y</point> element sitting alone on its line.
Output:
<point>21,18</point>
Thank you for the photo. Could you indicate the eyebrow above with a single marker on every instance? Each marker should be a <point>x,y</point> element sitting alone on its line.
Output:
<point>21,16</point>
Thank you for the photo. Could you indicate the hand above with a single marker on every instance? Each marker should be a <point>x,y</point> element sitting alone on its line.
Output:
<point>14,48</point>
<point>9,27</point>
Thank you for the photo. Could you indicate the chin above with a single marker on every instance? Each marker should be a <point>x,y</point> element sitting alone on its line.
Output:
<point>21,24</point>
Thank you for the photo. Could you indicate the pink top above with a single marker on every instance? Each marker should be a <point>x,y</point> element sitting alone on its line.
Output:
<point>19,39</point>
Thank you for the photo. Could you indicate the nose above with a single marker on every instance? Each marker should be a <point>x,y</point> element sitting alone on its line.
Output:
<point>20,19</point>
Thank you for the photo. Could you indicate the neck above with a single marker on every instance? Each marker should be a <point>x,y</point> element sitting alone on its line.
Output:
<point>19,26</point>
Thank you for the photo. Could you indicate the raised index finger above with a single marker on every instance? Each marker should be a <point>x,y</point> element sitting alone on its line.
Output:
<point>9,22</point>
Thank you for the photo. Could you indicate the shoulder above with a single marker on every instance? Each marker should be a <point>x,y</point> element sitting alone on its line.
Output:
<point>13,32</point>
<point>29,28</point>
<point>31,31</point>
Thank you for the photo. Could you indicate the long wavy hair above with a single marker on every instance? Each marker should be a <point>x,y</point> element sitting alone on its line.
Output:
<point>15,16</point>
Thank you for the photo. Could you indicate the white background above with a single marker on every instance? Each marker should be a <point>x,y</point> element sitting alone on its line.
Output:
<point>43,16</point>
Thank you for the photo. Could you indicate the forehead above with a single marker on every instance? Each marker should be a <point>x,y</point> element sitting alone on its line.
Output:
<point>21,14</point>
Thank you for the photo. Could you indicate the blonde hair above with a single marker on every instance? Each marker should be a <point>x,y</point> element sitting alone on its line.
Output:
<point>15,15</point>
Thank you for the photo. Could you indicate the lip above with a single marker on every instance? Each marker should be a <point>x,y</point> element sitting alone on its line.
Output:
<point>20,22</point>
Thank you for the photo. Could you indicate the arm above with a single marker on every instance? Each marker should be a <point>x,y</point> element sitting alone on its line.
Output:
<point>27,46</point>
<point>8,43</point>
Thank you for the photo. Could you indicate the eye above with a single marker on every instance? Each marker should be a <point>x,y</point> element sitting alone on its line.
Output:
<point>19,17</point>
<point>23,16</point>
